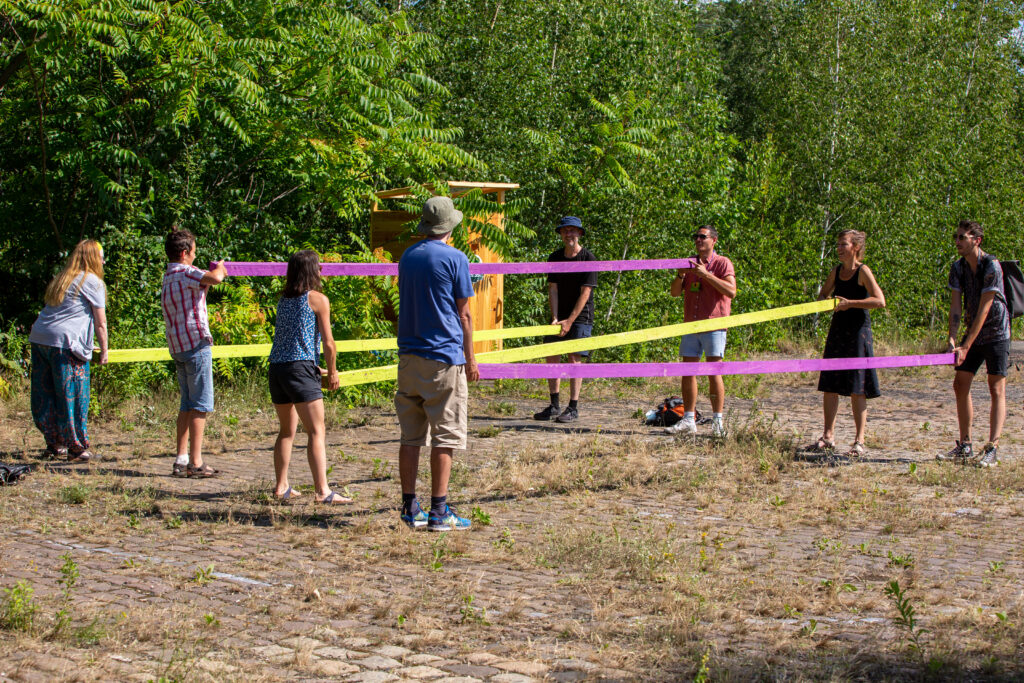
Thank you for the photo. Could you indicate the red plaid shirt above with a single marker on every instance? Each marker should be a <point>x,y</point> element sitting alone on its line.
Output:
<point>183,299</point>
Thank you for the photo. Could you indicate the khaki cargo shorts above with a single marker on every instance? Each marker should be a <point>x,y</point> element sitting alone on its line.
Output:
<point>431,399</point>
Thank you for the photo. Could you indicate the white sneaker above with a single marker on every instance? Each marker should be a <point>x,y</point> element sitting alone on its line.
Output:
<point>684,426</point>
<point>717,428</point>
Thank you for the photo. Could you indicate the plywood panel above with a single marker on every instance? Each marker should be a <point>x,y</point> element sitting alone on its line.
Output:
<point>487,305</point>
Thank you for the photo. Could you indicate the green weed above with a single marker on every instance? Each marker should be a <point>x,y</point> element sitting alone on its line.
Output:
<point>906,617</point>
<point>73,494</point>
<point>18,609</point>
<point>479,516</point>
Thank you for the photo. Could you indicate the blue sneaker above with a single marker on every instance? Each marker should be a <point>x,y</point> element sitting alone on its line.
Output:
<point>414,517</point>
<point>447,520</point>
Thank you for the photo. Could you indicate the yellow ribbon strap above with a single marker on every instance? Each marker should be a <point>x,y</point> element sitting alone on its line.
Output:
<point>389,372</point>
<point>247,350</point>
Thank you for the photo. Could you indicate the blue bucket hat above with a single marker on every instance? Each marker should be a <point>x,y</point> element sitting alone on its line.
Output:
<point>570,222</point>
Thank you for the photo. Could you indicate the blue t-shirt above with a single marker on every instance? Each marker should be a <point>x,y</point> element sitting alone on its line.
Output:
<point>431,276</point>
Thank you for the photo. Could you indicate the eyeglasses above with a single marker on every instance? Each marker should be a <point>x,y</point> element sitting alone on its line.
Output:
<point>961,238</point>
<point>698,236</point>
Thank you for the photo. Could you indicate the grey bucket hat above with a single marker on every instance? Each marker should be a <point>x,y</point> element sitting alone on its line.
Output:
<point>439,217</point>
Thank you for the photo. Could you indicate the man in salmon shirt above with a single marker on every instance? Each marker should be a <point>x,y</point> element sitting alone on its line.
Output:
<point>708,289</point>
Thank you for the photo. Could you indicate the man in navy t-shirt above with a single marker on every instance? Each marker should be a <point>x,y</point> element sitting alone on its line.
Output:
<point>435,361</point>
<point>571,296</point>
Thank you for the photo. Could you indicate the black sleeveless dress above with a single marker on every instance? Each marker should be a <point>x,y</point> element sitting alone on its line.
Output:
<point>849,336</point>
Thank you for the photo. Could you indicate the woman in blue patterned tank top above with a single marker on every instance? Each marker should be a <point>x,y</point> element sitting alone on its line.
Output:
<point>303,318</point>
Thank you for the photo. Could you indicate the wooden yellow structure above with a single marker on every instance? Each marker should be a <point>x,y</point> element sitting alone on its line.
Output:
<point>488,303</point>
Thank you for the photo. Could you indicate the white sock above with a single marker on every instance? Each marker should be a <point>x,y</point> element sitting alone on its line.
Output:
<point>181,460</point>
<point>717,417</point>
<point>690,416</point>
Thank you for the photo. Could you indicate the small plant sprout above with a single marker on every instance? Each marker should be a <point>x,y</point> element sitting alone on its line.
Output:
<point>904,561</point>
<point>471,614</point>
<point>480,517</point>
<point>203,575</point>
<point>381,469</point>
<point>505,541</point>
<point>438,549</point>
<point>809,628</point>
<point>995,566</point>
<point>211,620</point>
<point>906,617</point>
<point>174,522</point>
<point>68,579</point>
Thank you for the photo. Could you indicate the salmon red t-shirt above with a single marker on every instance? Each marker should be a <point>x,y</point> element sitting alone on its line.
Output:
<point>702,301</point>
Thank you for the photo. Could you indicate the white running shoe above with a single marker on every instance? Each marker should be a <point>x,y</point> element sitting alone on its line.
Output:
<point>717,428</point>
<point>684,426</point>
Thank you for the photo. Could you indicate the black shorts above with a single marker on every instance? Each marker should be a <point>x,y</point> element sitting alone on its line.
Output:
<point>295,382</point>
<point>576,331</point>
<point>995,354</point>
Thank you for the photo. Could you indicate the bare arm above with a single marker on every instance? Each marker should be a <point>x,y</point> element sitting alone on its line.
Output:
<point>99,316</point>
<point>875,298</point>
<point>677,284</point>
<point>321,306</point>
<point>581,301</point>
<point>725,286</point>
<point>955,313</point>
<point>829,286</point>
<point>215,275</point>
<point>553,301</point>
<point>466,318</point>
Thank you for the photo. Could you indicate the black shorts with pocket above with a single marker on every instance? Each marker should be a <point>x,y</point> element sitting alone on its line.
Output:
<point>576,331</point>
<point>996,356</point>
<point>295,382</point>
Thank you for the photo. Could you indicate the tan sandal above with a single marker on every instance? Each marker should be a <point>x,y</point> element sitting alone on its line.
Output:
<point>857,450</point>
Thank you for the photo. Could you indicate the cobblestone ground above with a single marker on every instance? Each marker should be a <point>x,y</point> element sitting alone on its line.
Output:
<point>600,550</point>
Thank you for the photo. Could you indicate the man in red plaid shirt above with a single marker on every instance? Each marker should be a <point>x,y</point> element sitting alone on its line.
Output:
<point>183,299</point>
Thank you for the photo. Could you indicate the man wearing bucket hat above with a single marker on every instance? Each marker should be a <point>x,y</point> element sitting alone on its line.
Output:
<point>435,361</point>
<point>571,296</point>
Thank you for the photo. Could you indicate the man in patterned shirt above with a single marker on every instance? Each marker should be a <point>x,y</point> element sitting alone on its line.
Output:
<point>976,281</point>
<point>183,299</point>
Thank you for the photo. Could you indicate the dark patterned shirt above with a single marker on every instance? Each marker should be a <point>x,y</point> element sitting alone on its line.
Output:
<point>970,286</point>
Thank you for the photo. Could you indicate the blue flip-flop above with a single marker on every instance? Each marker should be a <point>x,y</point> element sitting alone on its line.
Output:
<point>333,498</point>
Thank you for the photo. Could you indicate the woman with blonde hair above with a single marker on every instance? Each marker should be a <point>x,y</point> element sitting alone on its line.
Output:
<point>62,345</point>
<point>849,336</point>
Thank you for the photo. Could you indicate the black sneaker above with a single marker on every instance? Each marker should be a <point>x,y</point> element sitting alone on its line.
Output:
<point>989,456</point>
<point>961,453</point>
<point>546,414</point>
<point>570,414</point>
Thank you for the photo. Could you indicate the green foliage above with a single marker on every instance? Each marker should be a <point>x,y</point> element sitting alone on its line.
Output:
<point>906,615</point>
<point>67,581</point>
<point>73,494</point>
<point>18,609</point>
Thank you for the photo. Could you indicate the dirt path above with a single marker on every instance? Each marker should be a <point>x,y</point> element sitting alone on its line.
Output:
<point>600,550</point>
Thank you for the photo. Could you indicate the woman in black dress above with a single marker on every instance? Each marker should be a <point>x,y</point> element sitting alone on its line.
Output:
<point>849,336</point>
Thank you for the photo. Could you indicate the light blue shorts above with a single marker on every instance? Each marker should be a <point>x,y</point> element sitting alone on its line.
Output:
<point>711,344</point>
<point>195,378</point>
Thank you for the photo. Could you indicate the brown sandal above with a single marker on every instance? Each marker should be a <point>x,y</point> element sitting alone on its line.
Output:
<point>204,471</point>
<point>84,456</point>
<point>822,445</point>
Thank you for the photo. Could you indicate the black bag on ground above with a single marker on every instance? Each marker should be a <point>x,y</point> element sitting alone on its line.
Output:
<point>9,474</point>
<point>666,414</point>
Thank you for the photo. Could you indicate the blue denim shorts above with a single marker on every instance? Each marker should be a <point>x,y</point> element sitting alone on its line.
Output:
<point>711,344</point>
<point>195,378</point>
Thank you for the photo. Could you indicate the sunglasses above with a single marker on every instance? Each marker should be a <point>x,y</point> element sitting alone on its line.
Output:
<point>961,238</point>
<point>698,236</point>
